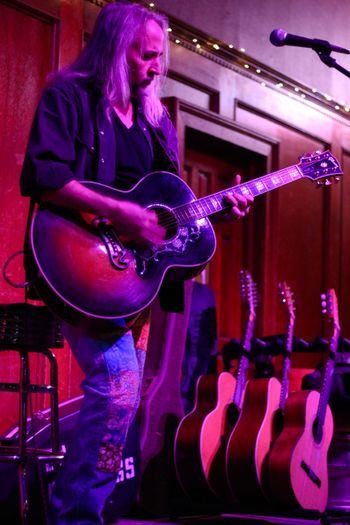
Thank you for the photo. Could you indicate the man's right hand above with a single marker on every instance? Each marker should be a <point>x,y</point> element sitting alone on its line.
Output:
<point>130,220</point>
<point>135,223</point>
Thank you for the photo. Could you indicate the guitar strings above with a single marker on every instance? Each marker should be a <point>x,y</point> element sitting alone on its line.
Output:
<point>170,218</point>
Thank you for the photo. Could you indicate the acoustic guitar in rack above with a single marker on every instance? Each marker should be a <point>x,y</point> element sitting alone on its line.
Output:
<point>259,424</point>
<point>82,266</point>
<point>219,423</point>
<point>298,470</point>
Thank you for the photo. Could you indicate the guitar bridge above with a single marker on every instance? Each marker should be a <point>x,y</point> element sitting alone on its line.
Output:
<point>311,474</point>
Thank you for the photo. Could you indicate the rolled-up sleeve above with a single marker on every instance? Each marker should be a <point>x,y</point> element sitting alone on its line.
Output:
<point>50,153</point>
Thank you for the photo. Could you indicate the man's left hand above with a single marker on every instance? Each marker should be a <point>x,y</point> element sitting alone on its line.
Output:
<point>239,205</point>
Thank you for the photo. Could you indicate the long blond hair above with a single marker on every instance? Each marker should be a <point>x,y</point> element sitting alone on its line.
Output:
<point>104,58</point>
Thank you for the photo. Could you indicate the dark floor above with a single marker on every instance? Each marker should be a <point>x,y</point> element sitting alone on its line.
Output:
<point>333,515</point>
<point>240,519</point>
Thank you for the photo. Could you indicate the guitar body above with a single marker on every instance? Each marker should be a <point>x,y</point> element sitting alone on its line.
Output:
<point>251,439</point>
<point>214,433</point>
<point>189,438</point>
<point>89,270</point>
<point>220,422</point>
<point>298,471</point>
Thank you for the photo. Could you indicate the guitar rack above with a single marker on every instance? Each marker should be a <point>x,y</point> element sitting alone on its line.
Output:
<point>26,329</point>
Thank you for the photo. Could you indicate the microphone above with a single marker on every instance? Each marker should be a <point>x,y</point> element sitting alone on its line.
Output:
<point>279,37</point>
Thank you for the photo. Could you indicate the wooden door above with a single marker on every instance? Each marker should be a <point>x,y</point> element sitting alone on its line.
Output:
<point>210,166</point>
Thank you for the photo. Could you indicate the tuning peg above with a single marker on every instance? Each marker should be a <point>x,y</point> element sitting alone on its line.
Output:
<point>327,182</point>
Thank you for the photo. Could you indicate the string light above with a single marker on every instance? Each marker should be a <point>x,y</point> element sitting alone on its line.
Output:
<point>269,77</point>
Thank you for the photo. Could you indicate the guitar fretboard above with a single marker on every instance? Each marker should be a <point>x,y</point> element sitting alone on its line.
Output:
<point>214,203</point>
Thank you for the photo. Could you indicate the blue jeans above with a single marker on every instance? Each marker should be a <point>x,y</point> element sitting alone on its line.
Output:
<point>113,365</point>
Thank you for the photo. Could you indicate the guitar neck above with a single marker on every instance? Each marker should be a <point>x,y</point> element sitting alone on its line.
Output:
<point>214,203</point>
<point>286,366</point>
<point>326,385</point>
<point>241,374</point>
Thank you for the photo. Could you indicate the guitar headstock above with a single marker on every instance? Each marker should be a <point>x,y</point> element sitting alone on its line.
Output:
<point>329,305</point>
<point>249,291</point>
<point>287,298</point>
<point>320,167</point>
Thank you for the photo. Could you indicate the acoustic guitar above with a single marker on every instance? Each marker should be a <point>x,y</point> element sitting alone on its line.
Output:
<point>82,266</point>
<point>201,437</point>
<point>298,470</point>
<point>259,424</point>
<point>220,422</point>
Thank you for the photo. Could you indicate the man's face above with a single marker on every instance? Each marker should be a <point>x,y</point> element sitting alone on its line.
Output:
<point>144,58</point>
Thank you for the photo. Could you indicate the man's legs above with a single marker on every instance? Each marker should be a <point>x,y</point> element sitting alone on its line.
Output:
<point>113,369</point>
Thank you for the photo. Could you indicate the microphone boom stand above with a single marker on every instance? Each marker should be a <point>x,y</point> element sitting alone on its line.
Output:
<point>325,57</point>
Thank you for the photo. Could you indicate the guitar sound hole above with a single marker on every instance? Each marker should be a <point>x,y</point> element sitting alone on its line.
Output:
<point>232,414</point>
<point>317,431</point>
<point>167,219</point>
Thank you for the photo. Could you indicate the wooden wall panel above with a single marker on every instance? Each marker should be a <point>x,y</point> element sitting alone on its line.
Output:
<point>28,47</point>
<point>26,58</point>
<point>344,248</point>
<point>31,48</point>
<point>300,231</point>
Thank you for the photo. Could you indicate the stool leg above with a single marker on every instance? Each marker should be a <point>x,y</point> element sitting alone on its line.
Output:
<point>23,492</point>
<point>54,404</point>
<point>23,402</point>
<point>23,413</point>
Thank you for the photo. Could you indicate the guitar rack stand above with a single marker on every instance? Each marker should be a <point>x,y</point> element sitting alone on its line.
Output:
<point>26,329</point>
